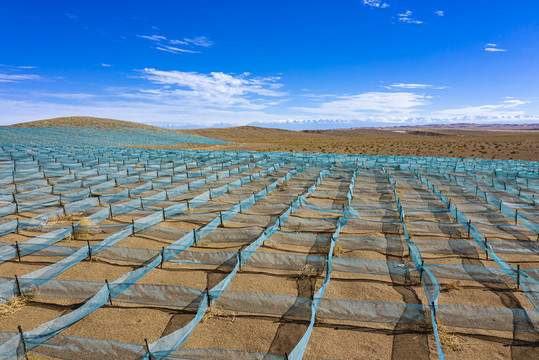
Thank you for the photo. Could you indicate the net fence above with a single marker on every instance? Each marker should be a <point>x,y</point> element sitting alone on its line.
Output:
<point>335,222</point>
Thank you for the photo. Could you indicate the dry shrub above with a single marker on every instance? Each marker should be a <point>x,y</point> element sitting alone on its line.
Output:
<point>308,271</point>
<point>85,221</point>
<point>448,340</point>
<point>338,250</point>
<point>16,303</point>
<point>84,232</point>
<point>455,285</point>
<point>56,219</point>
<point>215,311</point>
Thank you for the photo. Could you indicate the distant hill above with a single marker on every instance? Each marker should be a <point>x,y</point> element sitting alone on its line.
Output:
<point>255,133</point>
<point>84,122</point>
<point>91,131</point>
<point>247,133</point>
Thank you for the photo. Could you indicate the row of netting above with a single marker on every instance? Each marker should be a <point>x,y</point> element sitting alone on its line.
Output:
<point>442,312</point>
<point>191,237</point>
<point>524,279</point>
<point>54,236</point>
<point>88,136</point>
<point>313,308</point>
<point>475,232</point>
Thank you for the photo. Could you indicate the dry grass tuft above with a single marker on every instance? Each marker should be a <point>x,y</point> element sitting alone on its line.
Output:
<point>56,219</point>
<point>214,311</point>
<point>85,221</point>
<point>455,285</point>
<point>84,232</point>
<point>308,271</point>
<point>449,340</point>
<point>338,250</point>
<point>16,303</point>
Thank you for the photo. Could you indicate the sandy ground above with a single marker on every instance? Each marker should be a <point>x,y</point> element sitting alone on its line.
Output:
<point>484,144</point>
<point>277,334</point>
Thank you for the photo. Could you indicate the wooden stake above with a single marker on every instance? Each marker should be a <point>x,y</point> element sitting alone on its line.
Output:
<point>23,342</point>
<point>18,250</point>
<point>108,287</point>
<point>162,256</point>
<point>18,286</point>
<point>89,250</point>
<point>518,275</point>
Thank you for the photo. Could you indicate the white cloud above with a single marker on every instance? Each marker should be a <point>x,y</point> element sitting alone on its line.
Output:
<point>175,50</point>
<point>106,65</point>
<point>14,111</point>
<point>410,86</point>
<point>503,109</point>
<point>178,42</point>
<point>68,96</point>
<point>200,41</point>
<point>493,48</point>
<point>407,18</point>
<point>439,13</point>
<point>18,77</point>
<point>157,38</point>
<point>214,89</point>
<point>370,103</point>
<point>162,41</point>
<point>375,3</point>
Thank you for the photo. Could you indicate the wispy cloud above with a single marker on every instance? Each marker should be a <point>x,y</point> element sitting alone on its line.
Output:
<point>106,65</point>
<point>18,77</point>
<point>413,86</point>
<point>71,16</point>
<point>439,13</point>
<point>407,18</point>
<point>214,89</point>
<point>503,109</point>
<point>165,44</point>
<point>178,42</point>
<point>200,41</point>
<point>68,96</point>
<point>361,105</point>
<point>175,50</point>
<point>493,47</point>
<point>376,3</point>
<point>153,37</point>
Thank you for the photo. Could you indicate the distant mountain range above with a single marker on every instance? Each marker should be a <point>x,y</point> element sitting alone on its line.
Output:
<point>524,123</point>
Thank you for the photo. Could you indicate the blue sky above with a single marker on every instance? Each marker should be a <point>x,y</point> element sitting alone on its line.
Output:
<point>203,62</point>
